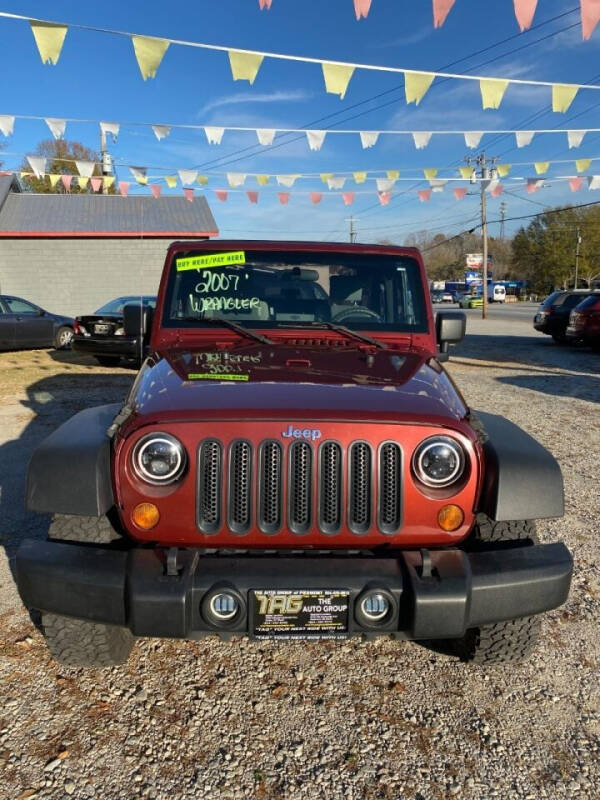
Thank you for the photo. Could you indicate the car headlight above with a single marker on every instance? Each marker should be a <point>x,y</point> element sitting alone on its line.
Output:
<point>159,458</point>
<point>439,461</point>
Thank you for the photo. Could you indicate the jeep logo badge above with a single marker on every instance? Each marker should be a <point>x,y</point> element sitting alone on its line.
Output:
<point>301,433</point>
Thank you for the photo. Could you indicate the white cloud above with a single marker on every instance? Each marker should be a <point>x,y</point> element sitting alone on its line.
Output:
<point>404,41</point>
<point>270,97</point>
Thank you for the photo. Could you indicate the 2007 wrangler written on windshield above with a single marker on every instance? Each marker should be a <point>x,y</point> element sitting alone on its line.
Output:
<point>205,300</point>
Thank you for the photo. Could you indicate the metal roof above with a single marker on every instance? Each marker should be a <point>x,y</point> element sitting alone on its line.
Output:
<point>23,214</point>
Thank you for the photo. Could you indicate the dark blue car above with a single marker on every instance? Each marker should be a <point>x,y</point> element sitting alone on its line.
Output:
<point>24,325</point>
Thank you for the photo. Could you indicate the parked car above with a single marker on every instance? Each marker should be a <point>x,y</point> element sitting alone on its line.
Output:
<point>552,317</point>
<point>24,325</point>
<point>447,297</point>
<point>437,297</point>
<point>584,323</point>
<point>102,334</point>
<point>470,301</point>
<point>289,411</point>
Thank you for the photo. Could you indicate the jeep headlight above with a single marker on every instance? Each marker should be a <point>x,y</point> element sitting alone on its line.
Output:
<point>159,458</point>
<point>439,462</point>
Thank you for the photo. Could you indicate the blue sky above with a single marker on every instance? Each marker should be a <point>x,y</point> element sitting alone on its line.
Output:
<point>97,78</point>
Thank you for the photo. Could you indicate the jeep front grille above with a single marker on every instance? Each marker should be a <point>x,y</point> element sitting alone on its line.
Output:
<point>270,487</point>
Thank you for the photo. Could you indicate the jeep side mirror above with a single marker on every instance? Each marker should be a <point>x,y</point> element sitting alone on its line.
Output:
<point>137,320</point>
<point>450,328</point>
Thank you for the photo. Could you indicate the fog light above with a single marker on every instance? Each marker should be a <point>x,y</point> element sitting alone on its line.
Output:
<point>145,516</point>
<point>223,606</point>
<point>450,518</point>
<point>375,606</point>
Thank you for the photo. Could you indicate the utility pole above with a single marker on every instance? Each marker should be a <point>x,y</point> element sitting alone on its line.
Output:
<point>353,232</point>
<point>502,217</point>
<point>105,161</point>
<point>485,174</point>
<point>577,256</point>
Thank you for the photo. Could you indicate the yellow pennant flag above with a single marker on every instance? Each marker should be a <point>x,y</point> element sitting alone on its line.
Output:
<point>359,177</point>
<point>541,167</point>
<point>337,77</point>
<point>416,85</point>
<point>465,172</point>
<point>393,174</point>
<point>503,169</point>
<point>262,180</point>
<point>244,66</point>
<point>171,181</point>
<point>26,175</point>
<point>82,180</point>
<point>326,176</point>
<point>202,180</point>
<point>149,53</point>
<point>583,164</point>
<point>108,180</point>
<point>492,92</point>
<point>562,96</point>
<point>430,173</point>
<point>54,179</point>
<point>49,39</point>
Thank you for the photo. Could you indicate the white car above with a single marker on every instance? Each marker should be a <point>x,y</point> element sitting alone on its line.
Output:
<point>447,298</point>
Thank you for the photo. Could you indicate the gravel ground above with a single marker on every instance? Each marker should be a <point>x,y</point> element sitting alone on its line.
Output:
<point>319,720</point>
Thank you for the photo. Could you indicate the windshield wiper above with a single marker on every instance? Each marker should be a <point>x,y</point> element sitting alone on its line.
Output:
<point>352,334</point>
<point>234,326</point>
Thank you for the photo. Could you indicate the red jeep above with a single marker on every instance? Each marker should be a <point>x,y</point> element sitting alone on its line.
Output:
<point>292,461</point>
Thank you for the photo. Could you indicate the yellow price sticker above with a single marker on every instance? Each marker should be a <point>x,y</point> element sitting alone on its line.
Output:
<point>212,260</point>
<point>199,376</point>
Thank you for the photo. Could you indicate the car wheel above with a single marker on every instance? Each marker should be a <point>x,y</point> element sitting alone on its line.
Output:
<point>108,361</point>
<point>63,338</point>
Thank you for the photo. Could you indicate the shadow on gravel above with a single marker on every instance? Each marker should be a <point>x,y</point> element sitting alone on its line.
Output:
<point>531,351</point>
<point>583,388</point>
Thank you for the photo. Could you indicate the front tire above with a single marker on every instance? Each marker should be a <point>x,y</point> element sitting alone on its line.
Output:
<point>77,642</point>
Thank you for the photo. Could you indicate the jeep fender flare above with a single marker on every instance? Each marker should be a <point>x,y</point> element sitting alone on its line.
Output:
<point>70,471</point>
<point>521,480</point>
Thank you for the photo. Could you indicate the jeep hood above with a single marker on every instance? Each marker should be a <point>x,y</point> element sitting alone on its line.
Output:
<point>293,383</point>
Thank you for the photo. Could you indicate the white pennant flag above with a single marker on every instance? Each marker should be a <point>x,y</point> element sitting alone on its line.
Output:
<point>524,138</point>
<point>287,180</point>
<point>438,184</point>
<point>384,184</point>
<point>38,165</point>
<point>214,135</point>
<point>85,168</point>
<point>140,174</point>
<point>421,139</point>
<point>472,138</point>
<point>492,185</point>
<point>161,131</point>
<point>57,127</point>
<point>368,138</point>
<point>315,139</point>
<point>187,176</point>
<point>7,124</point>
<point>575,138</point>
<point>336,183</point>
<point>236,179</point>
<point>265,136</point>
<point>594,182</point>
<point>112,128</point>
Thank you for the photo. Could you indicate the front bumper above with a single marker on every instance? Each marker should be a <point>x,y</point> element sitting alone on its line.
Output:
<point>117,346</point>
<point>436,594</point>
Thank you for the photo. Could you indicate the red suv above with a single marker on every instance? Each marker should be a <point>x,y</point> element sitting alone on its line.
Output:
<point>584,323</point>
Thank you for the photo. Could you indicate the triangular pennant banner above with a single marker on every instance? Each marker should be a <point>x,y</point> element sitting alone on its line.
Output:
<point>337,77</point>
<point>96,184</point>
<point>425,195</point>
<point>594,182</point>
<point>54,179</point>
<point>361,8</point>
<point>37,164</point>
<point>533,185</point>
<point>359,177</point>
<point>575,138</point>
<point>265,136</point>
<point>109,180</point>
<point>124,188</point>
<point>57,127</point>
<point>541,167</point>
<point>221,194</point>
<point>161,131</point>
<point>315,139</point>
<point>421,139</point>
<point>384,198</point>
<point>460,193</point>
<point>284,197</point>
<point>149,53</point>
<point>156,190</point>
<point>287,180</point>
<point>262,180</point>
<point>139,173</point>
<point>262,4</point>
<point>187,176</point>
<point>497,190</point>
<point>7,125</point>
<point>336,183</point>
<point>472,138</point>
<point>438,185</point>
<point>583,164</point>
<point>315,197</point>
<point>85,168</point>
<point>189,195</point>
<point>503,170</point>
<point>25,175</point>
<point>325,176</point>
<point>202,180</point>
<point>492,92</point>
<point>562,97</point>
<point>465,172</point>
<point>575,184</point>
<point>171,181</point>
<point>416,85</point>
<point>66,181</point>
<point>214,135</point>
<point>384,184</point>
<point>83,181</point>
<point>430,173</point>
<point>252,196</point>
<point>244,66</point>
<point>368,138</point>
<point>590,14</point>
<point>49,39</point>
<point>441,9</point>
<point>393,174</point>
<point>524,138</point>
<point>235,179</point>
<point>524,11</point>
<point>111,128</point>
<point>348,198</point>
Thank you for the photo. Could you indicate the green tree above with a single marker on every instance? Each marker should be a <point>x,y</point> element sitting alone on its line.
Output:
<point>60,157</point>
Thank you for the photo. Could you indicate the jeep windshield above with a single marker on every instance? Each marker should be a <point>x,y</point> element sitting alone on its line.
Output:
<point>271,289</point>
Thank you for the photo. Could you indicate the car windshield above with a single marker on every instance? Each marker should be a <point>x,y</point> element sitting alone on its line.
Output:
<point>589,302</point>
<point>270,289</point>
<point>116,306</point>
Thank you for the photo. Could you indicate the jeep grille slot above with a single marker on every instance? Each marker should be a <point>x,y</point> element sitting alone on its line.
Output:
<point>240,486</point>
<point>300,487</point>
<point>359,486</point>
<point>209,486</point>
<point>330,487</point>
<point>269,486</point>
<point>390,485</point>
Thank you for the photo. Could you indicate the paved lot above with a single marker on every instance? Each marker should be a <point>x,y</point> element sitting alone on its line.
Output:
<point>356,720</point>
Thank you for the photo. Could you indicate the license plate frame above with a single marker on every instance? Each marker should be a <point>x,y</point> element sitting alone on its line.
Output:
<point>299,613</point>
<point>101,328</point>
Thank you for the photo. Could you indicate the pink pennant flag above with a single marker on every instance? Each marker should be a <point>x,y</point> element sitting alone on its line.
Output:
<point>252,196</point>
<point>459,193</point>
<point>155,189</point>
<point>575,184</point>
<point>221,194</point>
<point>262,4</point>
<point>361,8</point>
<point>384,198</point>
<point>284,197</point>
<point>590,15</point>
<point>524,12</point>
<point>441,9</point>
<point>189,194</point>
<point>66,182</point>
<point>533,185</point>
<point>425,195</point>
<point>316,197</point>
<point>497,190</point>
<point>96,184</point>
<point>348,198</point>
<point>124,188</point>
